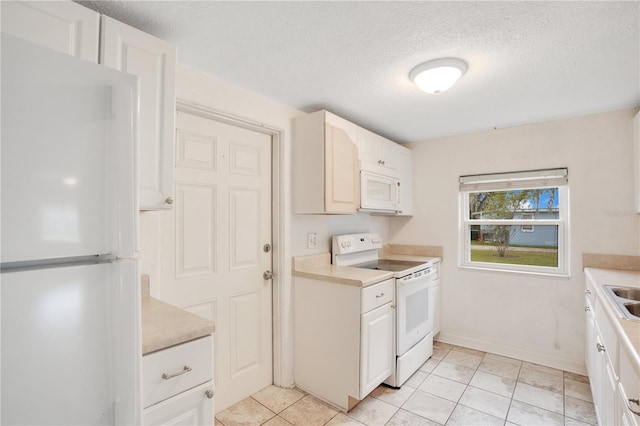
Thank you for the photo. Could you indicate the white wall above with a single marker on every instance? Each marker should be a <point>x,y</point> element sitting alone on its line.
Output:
<point>540,319</point>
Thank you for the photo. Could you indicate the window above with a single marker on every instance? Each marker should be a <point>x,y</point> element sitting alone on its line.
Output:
<point>515,221</point>
<point>526,228</point>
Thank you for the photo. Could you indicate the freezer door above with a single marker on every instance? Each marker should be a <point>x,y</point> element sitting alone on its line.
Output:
<point>68,156</point>
<point>71,346</point>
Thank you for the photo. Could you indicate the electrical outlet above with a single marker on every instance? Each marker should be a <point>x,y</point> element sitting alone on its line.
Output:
<point>312,240</point>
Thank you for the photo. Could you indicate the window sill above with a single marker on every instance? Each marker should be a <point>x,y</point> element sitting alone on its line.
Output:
<point>559,275</point>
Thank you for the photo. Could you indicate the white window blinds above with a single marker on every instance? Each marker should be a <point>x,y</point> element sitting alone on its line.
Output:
<point>515,180</point>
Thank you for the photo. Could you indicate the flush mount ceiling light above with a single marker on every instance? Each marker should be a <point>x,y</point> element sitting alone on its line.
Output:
<point>438,75</point>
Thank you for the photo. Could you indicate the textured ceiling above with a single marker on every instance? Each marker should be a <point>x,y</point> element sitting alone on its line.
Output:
<point>528,61</point>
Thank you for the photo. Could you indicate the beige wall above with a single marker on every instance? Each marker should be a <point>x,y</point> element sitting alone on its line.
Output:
<point>534,318</point>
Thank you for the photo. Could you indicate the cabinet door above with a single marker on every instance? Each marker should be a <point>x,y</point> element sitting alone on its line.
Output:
<point>189,408</point>
<point>60,25</point>
<point>389,154</point>
<point>376,348</point>
<point>609,389</point>
<point>370,148</point>
<point>342,186</point>
<point>153,61</point>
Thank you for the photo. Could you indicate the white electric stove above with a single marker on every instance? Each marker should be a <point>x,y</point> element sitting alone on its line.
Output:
<point>414,299</point>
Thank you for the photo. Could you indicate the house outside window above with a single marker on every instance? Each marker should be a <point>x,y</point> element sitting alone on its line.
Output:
<point>515,222</point>
<point>526,216</point>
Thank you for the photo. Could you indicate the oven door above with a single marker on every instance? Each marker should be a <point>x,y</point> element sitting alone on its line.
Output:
<point>378,193</point>
<point>414,309</point>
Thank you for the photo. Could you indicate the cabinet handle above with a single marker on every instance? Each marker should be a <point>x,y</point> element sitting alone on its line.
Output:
<point>169,200</point>
<point>635,401</point>
<point>587,291</point>
<point>209,393</point>
<point>587,309</point>
<point>600,347</point>
<point>379,295</point>
<point>184,370</point>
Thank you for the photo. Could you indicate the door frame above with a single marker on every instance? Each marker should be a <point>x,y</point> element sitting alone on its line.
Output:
<point>281,286</point>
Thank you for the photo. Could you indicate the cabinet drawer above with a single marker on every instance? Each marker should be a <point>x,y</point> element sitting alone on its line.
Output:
<point>174,363</point>
<point>377,295</point>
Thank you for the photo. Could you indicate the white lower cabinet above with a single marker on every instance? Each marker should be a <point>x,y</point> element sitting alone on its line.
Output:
<point>177,385</point>
<point>343,340</point>
<point>628,406</point>
<point>615,384</point>
<point>375,365</point>
<point>193,408</point>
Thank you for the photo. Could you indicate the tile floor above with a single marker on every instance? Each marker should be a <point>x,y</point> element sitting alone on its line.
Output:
<point>457,386</point>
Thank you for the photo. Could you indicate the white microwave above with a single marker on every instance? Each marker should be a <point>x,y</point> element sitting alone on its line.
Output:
<point>379,193</point>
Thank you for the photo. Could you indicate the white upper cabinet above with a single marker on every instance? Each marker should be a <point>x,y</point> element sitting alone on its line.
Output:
<point>325,165</point>
<point>153,61</point>
<point>636,160</point>
<point>69,27</point>
<point>377,151</point>
<point>63,26</point>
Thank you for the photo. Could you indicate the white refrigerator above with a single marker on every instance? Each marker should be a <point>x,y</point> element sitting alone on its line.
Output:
<point>69,289</point>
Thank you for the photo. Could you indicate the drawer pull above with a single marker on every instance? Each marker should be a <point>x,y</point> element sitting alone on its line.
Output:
<point>587,309</point>
<point>587,291</point>
<point>600,347</point>
<point>209,393</point>
<point>185,369</point>
<point>635,401</point>
<point>379,295</point>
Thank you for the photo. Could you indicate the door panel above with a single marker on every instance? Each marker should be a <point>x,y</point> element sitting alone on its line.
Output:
<point>213,247</point>
<point>195,217</point>
<point>244,229</point>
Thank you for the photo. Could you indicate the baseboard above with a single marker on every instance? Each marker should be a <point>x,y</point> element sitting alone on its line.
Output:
<point>511,352</point>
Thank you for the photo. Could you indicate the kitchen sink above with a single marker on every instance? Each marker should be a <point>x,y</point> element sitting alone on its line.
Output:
<point>633,308</point>
<point>627,293</point>
<point>626,301</point>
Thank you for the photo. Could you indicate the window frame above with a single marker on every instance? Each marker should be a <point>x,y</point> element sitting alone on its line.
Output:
<point>562,222</point>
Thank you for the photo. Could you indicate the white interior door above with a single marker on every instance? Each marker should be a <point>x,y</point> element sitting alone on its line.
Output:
<point>213,251</point>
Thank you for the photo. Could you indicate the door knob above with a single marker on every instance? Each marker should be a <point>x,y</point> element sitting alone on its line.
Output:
<point>268,275</point>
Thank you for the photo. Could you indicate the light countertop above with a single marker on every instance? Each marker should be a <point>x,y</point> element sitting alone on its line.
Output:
<point>165,325</point>
<point>628,331</point>
<point>319,267</point>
